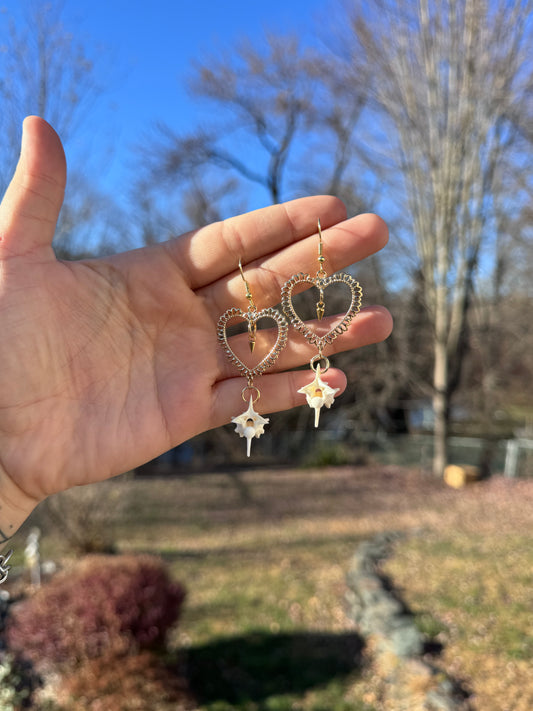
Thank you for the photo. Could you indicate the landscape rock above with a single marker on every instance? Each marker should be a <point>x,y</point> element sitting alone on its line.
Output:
<point>397,645</point>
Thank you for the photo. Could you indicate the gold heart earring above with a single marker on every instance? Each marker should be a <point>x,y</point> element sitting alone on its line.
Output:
<point>250,424</point>
<point>318,393</point>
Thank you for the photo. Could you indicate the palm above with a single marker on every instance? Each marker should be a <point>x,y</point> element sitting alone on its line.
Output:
<point>107,363</point>
<point>109,381</point>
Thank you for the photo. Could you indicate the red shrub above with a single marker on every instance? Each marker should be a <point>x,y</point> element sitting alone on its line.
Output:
<point>128,683</point>
<point>115,605</point>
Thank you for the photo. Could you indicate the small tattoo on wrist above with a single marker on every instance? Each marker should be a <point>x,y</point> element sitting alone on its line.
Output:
<point>4,537</point>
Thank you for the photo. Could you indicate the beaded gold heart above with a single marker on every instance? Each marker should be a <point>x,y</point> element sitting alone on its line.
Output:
<point>252,317</point>
<point>321,283</point>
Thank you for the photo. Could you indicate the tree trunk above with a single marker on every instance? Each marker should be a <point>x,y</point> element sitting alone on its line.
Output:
<point>440,380</point>
<point>453,78</point>
<point>440,410</point>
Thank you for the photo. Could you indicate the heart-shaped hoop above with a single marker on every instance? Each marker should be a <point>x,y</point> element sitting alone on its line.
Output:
<point>321,283</point>
<point>252,317</point>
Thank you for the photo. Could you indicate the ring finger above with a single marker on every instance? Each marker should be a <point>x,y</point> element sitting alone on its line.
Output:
<point>372,325</point>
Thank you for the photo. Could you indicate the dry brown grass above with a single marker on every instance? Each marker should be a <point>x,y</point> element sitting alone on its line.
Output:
<point>270,549</point>
<point>473,577</point>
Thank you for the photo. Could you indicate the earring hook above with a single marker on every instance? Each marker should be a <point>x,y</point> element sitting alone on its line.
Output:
<point>321,258</point>
<point>321,274</point>
<point>252,326</point>
<point>248,290</point>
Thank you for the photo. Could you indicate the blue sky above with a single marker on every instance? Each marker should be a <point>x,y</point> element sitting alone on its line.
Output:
<point>145,52</point>
<point>154,44</point>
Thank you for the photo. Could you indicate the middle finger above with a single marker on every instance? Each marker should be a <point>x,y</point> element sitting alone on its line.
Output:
<point>344,244</point>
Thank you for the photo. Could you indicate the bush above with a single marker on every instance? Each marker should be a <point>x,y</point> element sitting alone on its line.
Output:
<point>329,454</point>
<point>117,605</point>
<point>86,516</point>
<point>130,683</point>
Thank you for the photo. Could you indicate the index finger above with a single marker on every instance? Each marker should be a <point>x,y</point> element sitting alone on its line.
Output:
<point>212,252</point>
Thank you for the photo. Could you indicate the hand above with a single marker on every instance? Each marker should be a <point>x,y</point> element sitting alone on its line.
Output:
<point>107,363</point>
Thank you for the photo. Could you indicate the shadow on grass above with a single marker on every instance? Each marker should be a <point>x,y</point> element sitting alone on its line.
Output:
<point>226,553</point>
<point>254,667</point>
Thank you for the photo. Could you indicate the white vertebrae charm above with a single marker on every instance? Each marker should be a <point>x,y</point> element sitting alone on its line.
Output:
<point>318,394</point>
<point>250,424</point>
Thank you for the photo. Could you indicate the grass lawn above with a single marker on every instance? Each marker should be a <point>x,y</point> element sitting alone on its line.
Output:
<point>471,584</point>
<point>264,555</point>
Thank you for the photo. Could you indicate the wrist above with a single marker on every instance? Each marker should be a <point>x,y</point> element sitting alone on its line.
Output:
<point>15,507</point>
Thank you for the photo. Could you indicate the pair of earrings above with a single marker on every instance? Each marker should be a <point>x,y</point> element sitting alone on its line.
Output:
<point>318,393</point>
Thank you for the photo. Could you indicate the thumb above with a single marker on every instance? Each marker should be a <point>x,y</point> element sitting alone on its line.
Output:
<point>31,205</point>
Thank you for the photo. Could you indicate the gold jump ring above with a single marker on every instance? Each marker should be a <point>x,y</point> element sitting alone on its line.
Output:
<point>315,359</point>
<point>245,390</point>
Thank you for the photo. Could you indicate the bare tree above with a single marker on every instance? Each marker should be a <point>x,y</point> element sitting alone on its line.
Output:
<point>502,341</point>
<point>452,90</point>
<point>45,71</point>
<point>263,102</point>
<point>283,122</point>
